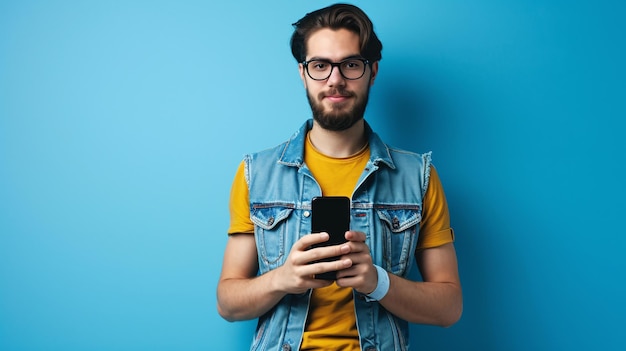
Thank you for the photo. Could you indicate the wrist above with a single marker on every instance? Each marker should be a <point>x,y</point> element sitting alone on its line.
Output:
<point>382,286</point>
<point>275,283</point>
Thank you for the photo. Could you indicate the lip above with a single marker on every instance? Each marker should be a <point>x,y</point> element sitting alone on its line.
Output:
<point>337,98</point>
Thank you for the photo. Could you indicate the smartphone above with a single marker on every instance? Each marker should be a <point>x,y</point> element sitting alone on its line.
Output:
<point>330,214</point>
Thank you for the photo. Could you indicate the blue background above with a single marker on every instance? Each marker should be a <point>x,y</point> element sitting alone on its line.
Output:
<point>122,124</point>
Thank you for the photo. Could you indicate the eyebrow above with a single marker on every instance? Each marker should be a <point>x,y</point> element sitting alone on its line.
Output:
<point>318,58</point>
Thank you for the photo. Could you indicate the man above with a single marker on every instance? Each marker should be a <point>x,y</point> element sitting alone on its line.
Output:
<point>398,214</point>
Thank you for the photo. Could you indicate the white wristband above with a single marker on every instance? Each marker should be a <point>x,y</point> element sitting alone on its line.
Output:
<point>382,287</point>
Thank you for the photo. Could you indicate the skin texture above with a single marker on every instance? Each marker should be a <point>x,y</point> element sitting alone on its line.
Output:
<point>337,103</point>
<point>244,295</point>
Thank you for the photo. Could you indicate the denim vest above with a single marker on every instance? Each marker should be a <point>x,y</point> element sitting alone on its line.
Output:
<point>386,206</point>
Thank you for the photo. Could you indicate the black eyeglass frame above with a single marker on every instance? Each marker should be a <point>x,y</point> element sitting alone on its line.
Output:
<point>365,61</point>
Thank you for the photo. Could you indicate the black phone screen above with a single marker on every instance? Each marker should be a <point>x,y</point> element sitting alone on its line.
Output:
<point>330,214</point>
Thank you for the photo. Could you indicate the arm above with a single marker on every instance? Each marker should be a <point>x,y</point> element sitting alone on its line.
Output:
<point>241,294</point>
<point>238,295</point>
<point>437,300</point>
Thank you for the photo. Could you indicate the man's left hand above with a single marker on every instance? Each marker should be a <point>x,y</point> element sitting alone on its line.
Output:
<point>362,275</point>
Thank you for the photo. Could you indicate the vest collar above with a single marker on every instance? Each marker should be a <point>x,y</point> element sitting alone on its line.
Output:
<point>293,152</point>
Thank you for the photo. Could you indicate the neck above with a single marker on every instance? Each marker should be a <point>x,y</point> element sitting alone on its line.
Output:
<point>339,144</point>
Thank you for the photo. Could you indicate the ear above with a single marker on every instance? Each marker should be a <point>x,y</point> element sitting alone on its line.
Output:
<point>374,68</point>
<point>302,74</point>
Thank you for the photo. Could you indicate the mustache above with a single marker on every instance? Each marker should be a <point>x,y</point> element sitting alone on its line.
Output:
<point>336,91</point>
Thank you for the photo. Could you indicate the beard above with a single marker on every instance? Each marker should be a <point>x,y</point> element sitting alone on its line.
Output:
<point>341,116</point>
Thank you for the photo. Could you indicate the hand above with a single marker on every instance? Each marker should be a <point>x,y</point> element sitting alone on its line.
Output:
<point>361,274</point>
<point>297,274</point>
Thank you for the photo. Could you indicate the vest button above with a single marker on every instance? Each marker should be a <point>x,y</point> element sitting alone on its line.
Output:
<point>286,347</point>
<point>306,214</point>
<point>270,221</point>
<point>395,223</point>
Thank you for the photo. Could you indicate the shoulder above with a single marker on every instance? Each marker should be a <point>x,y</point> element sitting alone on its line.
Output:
<point>288,152</point>
<point>393,156</point>
<point>403,158</point>
<point>398,152</point>
<point>272,152</point>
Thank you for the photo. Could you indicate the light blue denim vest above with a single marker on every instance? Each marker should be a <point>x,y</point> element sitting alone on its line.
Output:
<point>386,206</point>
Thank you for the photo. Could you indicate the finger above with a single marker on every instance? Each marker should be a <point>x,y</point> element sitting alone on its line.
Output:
<point>353,247</point>
<point>306,280</point>
<point>307,272</point>
<point>352,235</point>
<point>326,252</point>
<point>306,241</point>
<point>337,265</point>
<point>347,272</point>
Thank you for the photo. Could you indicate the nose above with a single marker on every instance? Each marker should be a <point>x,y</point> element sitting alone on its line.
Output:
<point>335,78</point>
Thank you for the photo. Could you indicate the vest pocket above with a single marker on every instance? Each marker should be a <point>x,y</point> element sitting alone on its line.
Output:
<point>269,231</point>
<point>400,227</point>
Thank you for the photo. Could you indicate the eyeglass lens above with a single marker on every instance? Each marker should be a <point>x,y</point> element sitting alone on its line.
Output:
<point>350,69</point>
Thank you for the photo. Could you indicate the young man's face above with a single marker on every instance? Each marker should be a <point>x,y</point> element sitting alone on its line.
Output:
<point>337,102</point>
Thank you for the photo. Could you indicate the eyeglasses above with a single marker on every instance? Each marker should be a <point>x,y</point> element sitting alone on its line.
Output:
<point>351,69</point>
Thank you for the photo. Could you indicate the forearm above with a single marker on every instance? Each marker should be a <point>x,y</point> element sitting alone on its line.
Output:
<point>435,303</point>
<point>247,298</point>
<point>241,294</point>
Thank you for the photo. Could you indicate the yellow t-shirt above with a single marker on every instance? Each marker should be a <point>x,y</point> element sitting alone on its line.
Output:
<point>331,320</point>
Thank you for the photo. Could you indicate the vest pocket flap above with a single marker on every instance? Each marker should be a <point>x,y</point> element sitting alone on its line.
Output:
<point>267,217</point>
<point>400,219</point>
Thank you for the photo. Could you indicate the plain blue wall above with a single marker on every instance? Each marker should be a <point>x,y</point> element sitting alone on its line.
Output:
<point>122,123</point>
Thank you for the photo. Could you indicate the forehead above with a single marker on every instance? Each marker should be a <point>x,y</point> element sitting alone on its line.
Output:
<point>332,44</point>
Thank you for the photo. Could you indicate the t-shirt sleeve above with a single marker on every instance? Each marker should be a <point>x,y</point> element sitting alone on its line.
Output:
<point>239,205</point>
<point>435,227</point>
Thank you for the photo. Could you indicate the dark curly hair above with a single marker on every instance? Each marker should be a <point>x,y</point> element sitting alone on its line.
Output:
<point>338,16</point>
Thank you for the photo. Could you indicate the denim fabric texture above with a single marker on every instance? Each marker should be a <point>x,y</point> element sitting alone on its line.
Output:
<point>386,205</point>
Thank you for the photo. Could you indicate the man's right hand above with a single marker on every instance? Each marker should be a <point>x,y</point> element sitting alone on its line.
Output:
<point>297,274</point>
<point>242,295</point>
